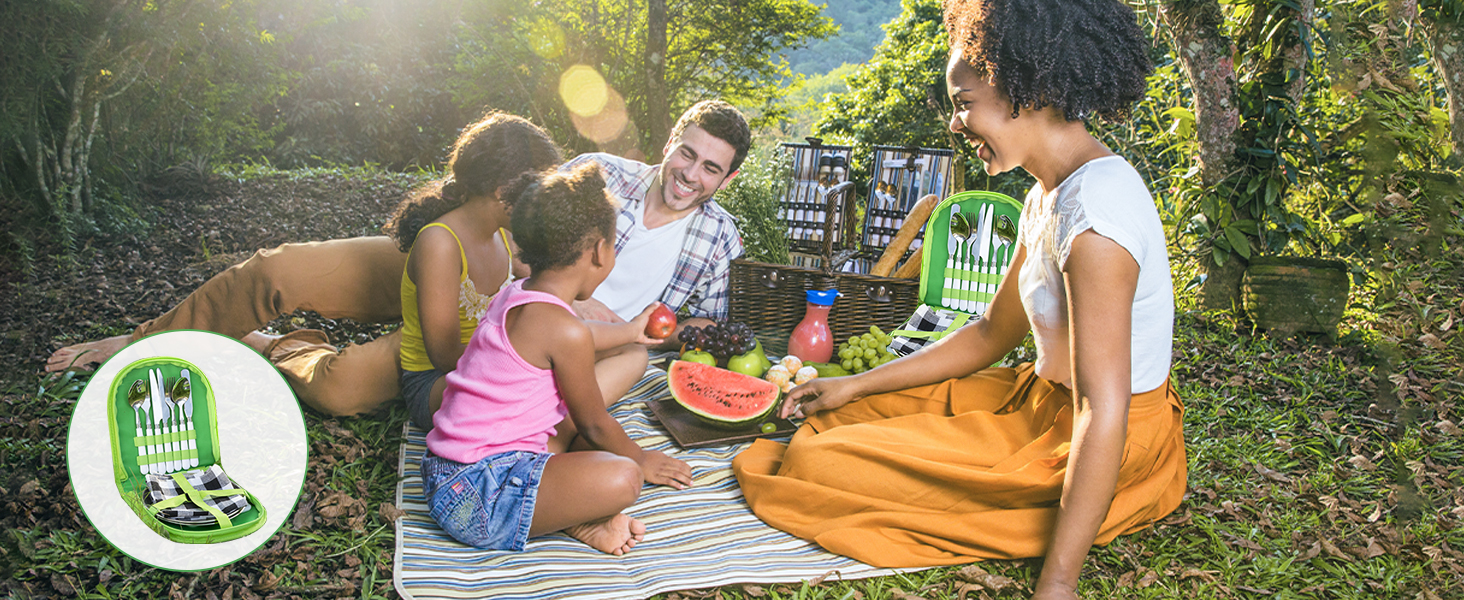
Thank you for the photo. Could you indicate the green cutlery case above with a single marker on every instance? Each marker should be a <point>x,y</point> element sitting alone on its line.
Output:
<point>132,481</point>
<point>936,246</point>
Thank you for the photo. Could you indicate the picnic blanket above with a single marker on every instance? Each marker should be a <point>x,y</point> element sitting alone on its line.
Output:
<point>701,537</point>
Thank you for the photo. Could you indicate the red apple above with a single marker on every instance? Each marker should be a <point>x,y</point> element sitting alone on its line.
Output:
<point>661,323</point>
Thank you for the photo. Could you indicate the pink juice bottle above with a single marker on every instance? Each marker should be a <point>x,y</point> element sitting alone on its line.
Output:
<point>811,340</point>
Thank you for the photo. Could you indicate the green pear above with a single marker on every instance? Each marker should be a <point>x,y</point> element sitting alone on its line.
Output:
<point>763,356</point>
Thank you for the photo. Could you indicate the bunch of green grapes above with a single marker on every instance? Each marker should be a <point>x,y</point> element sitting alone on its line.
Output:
<point>865,351</point>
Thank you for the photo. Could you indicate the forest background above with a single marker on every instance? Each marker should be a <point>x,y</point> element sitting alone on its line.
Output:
<point>147,136</point>
<point>1278,129</point>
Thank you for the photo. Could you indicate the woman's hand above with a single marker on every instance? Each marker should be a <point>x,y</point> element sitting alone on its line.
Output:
<point>664,470</point>
<point>819,395</point>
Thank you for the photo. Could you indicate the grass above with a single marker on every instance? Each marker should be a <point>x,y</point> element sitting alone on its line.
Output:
<point>1318,469</point>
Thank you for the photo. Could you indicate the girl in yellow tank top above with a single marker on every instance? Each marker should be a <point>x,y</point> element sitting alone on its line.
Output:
<point>459,253</point>
<point>471,304</point>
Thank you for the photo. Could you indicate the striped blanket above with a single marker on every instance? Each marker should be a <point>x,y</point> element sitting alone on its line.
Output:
<point>697,538</point>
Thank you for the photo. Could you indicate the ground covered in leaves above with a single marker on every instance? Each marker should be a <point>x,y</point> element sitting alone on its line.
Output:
<point>1319,467</point>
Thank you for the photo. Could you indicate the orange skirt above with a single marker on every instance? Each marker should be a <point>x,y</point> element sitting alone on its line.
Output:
<point>954,472</point>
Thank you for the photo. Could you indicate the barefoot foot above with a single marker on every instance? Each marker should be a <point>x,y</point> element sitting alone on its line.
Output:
<point>259,340</point>
<point>615,535</point>
<point>86,354</point>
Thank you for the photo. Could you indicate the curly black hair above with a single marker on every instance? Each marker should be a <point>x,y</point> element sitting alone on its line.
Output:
<point>555,217</point>
<point>724,122</point>
<point>488,154</point>
<point>1085,57</point>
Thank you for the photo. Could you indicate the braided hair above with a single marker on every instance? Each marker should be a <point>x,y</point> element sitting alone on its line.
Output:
<point>1083,57</point>
<point>555,217</point>
<point>488,155</point>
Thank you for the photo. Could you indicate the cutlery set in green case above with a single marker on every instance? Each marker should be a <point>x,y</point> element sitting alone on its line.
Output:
<point>166,458</point>
<point>969,241</point>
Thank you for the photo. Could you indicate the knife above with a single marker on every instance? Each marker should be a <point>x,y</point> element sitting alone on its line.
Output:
<point>155,397</point>
<point>984,239</point>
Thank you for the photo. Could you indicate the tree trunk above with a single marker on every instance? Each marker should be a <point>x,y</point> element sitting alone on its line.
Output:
<point>1207,59</point>
<point>1296,54</point>
<point>657,104</point>
<point>1447,37</point>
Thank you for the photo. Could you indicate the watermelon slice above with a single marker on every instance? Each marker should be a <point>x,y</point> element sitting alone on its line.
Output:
<point>720,397</point>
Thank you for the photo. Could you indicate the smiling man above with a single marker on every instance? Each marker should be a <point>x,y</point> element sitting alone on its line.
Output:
<point>672,242</point>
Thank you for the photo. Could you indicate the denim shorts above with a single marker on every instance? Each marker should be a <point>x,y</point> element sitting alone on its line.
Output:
<point>488,504</point>
<point>417,391</point>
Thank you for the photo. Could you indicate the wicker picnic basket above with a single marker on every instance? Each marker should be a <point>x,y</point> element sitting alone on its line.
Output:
<point>769,298</point>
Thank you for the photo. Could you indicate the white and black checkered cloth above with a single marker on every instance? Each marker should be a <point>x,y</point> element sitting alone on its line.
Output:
<point>926,318</point>
<point>212,477</point>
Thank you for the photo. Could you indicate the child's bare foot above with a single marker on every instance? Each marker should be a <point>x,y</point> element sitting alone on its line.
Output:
<point>86,354</point>
<point>615,535</point>
<point>259,340</point>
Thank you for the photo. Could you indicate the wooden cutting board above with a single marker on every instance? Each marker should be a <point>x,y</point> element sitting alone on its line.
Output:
<point>691,432</point>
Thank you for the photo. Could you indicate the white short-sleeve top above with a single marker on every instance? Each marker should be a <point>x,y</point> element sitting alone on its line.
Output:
<point>1109,197</point>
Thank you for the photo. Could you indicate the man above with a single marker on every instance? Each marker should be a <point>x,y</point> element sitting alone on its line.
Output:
<point>673,243</point>
<point>359,278</point>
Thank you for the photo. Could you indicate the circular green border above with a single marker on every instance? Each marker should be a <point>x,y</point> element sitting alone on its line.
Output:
<point>284,516</point>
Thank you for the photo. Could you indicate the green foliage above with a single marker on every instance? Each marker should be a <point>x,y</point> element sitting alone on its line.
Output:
<point>716,49</point>
<point>99,99</point>
<point>901,84</point>
<point>753,197</point>
<point>859,32</point>
<point>804,99</point>
<point>899,98</point>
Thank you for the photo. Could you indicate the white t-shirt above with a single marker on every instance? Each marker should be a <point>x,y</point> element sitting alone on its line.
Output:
<point>629,291</point>
<point>1109,197</point>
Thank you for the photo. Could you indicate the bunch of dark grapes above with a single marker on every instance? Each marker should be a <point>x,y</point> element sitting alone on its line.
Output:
<point>722,340</point>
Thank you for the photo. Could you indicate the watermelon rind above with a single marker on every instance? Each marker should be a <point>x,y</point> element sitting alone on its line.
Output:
<point>682,376</point>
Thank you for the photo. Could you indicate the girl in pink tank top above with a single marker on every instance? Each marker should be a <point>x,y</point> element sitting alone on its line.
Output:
<point>489,477</point>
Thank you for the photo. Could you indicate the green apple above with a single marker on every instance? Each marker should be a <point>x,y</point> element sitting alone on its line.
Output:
<point>748,364</point>
<point>699,356</point>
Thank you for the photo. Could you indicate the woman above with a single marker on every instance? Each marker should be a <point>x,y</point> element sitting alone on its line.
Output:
<point>935,458</point>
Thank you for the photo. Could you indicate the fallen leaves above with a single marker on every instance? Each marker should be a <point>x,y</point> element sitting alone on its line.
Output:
<point>1270,473</point>
<point>1432,341</point>
<point>335,505</point>
<point>389,512</point>
<point>976,575</point>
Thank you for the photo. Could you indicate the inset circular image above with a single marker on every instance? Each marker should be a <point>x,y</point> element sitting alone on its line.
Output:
<point>187,450</point>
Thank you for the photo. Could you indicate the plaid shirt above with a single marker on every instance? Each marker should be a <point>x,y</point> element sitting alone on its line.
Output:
<point>699,283</point>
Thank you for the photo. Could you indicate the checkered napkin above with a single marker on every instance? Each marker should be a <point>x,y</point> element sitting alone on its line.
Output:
<point>212,477</point>
<point>927,325</point>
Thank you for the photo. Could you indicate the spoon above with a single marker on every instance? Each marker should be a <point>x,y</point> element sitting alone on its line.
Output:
<point>181,392</point>
<point>137,397</point>
<point>1006,231</point>
<point>961,228</point>
<point>961,231</point>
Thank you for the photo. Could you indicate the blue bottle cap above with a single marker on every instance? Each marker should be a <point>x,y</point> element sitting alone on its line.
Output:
<point>822,297</point>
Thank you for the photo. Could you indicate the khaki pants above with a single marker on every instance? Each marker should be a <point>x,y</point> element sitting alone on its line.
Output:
<point>357,278</point>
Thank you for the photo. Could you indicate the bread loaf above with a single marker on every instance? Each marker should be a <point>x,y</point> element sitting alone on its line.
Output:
<point>901,242</point>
